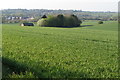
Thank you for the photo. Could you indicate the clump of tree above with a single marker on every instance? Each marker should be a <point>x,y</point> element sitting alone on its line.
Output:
<point>60,21</point>
<point>100,22</point>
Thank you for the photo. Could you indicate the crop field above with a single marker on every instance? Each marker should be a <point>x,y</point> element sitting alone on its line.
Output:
<point>90,51</point>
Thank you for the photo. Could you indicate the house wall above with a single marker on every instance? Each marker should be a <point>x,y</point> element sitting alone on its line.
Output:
<point>22,24</point>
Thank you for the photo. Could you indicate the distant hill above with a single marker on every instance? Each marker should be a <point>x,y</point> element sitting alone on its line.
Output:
<point>37,13</point>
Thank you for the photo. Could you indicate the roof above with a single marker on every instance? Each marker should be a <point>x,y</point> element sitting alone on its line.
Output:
<point>28,24</point>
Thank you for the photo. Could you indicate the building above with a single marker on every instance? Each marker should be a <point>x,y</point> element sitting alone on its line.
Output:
<point>27,24</point>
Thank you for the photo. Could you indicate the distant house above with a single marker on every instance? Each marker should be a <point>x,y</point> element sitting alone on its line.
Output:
<point>27,24</point>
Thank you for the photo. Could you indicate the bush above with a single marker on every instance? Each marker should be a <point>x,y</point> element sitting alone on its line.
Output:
<point>60,21</point>
<point>100,22</point>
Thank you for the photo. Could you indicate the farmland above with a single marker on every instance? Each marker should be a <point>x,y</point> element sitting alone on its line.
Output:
<point>90,51</point>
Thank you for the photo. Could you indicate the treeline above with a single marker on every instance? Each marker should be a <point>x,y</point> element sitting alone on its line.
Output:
<point>33,15</point>
<point>59,21</point>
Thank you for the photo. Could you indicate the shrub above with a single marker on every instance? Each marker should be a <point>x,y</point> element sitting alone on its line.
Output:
<point>60,21</point>
<point>42,22</point>
<point>100,22</point>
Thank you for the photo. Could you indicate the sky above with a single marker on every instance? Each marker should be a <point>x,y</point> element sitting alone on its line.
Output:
<point>84,5</point>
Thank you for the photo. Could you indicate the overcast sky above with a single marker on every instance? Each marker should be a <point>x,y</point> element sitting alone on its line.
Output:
<point>85,5</point>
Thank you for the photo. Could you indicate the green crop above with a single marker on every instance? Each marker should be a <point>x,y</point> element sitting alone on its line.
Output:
<point>90,51</point>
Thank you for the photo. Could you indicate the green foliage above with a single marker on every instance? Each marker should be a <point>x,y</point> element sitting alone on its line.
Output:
<point>82,52</point>
<point>42,22</point>
<point>60,21</point>
<point>22,75</point>
<point>100,22</point>
<point>72,21</point>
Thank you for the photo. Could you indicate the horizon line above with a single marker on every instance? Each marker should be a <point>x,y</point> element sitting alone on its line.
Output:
<point>60,9</point>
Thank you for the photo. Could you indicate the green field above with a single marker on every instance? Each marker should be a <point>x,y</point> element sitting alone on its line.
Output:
<point>90,51</point>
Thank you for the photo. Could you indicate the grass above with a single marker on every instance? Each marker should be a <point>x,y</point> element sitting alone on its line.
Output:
<point>48,52</point>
